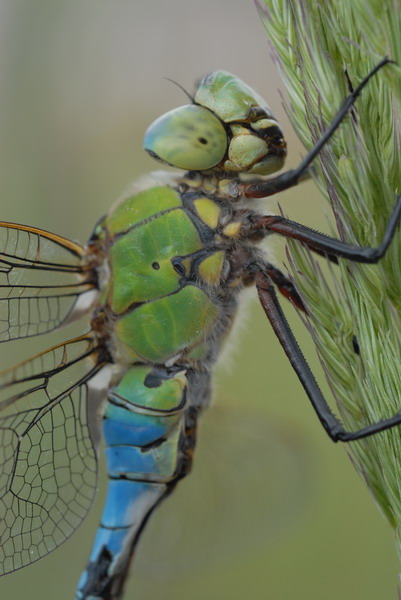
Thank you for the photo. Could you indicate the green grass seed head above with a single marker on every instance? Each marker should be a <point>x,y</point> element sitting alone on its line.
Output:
<point>323,48</point>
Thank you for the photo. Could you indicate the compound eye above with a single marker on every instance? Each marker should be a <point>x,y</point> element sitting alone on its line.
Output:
<point>189,137</point>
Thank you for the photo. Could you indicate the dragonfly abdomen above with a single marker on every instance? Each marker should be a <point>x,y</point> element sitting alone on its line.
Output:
<point>145,433</point>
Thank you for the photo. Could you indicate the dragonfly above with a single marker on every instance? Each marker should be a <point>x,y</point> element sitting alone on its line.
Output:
<point>159,280</point>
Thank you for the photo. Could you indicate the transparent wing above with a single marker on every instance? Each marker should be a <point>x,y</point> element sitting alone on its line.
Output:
<point>48,462</point>
<point>41,276</point>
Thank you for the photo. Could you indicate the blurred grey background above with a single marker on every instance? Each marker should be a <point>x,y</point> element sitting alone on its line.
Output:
<point>272,509</point>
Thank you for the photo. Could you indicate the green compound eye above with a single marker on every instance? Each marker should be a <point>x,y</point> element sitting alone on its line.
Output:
<point>189,137</point>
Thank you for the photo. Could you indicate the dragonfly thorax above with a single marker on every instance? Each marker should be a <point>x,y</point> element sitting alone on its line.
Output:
<point>176,265</point>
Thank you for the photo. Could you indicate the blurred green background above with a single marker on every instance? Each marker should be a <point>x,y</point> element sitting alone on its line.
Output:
<point>272,509</point>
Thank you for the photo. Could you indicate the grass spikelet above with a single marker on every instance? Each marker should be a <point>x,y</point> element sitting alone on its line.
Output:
<point>321,48</point>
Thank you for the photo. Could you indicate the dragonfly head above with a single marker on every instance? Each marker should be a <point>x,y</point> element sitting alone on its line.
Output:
<point>229,128</point>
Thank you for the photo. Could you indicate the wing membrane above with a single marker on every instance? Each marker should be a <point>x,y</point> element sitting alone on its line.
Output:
<point>48,461</point>
<point>41,276</point>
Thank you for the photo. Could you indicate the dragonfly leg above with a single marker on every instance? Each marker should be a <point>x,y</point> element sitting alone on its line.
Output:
<point>284,285</point>
<point>293,177</point>
<point>331,424</point>
<point>322,243</point>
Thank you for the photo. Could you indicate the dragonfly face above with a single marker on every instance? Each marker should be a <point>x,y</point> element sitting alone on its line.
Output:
<point>229,127</point>
<point>160,279</point>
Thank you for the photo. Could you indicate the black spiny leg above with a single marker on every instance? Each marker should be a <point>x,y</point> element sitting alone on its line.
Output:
<point>332,425</point>
<point>292,177</point>
<point>323,244</point>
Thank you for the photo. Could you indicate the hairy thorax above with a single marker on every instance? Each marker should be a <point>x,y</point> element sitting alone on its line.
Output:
<point>171,260</point>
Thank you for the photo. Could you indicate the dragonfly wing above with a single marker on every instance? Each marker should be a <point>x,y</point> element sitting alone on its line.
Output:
<point>48,458</point>
<point>41,276</point>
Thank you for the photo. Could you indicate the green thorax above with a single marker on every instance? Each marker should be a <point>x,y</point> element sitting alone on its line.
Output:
<point>163,270</point>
